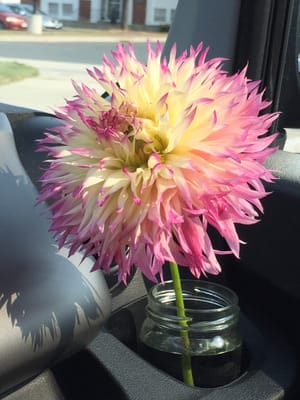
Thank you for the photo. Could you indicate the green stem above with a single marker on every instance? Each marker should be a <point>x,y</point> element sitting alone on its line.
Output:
<point>185,358</point>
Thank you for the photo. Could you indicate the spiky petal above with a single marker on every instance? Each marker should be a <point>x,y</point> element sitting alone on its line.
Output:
<point>137,179</point>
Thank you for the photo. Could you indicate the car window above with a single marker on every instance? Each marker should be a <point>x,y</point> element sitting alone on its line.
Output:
<point>5,8</point>
<point>60,43</point>
<point>67,46</point>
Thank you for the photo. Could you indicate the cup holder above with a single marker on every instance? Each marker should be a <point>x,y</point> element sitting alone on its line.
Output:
<point>268,363</point>
<point>125,325</point>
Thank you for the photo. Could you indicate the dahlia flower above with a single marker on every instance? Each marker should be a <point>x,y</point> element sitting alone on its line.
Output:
<point>137,178</point>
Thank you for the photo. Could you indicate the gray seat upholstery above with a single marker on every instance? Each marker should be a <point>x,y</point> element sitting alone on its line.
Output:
<point>50,305</point>
<point>271,254</point>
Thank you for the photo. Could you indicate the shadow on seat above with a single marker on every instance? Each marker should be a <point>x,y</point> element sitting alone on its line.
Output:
<point>50,305</point>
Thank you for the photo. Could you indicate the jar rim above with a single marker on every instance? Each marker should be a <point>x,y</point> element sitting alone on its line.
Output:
<point>222,296</point>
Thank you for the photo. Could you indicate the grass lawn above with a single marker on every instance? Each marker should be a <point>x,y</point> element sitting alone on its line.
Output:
<point>11,71</point>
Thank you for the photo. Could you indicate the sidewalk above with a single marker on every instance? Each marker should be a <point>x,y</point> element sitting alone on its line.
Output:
<point>48,90</point>
<point>84,31</point>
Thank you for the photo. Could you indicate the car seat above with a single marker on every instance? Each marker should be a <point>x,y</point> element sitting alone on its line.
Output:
<point>51,305</point>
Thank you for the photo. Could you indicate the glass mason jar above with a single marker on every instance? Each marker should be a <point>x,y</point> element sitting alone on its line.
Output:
<point>212,315</point>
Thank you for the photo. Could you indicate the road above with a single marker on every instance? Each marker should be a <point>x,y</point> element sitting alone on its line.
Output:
<point>63,51</point>
<point>58,59</point>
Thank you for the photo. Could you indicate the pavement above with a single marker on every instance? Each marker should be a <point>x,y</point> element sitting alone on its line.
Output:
<point>49,89</point>
<point>53,85</point>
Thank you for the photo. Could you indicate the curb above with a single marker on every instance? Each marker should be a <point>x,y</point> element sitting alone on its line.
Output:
<point>85,36</point>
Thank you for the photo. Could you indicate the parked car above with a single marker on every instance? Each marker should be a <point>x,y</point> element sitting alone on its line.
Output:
<point>11,20</point>
<point>26,10</point>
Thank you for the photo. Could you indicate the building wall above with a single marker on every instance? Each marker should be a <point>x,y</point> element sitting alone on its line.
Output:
<point>95,12</point>
<point>160,12</point>
<point>139,12</point>
<point>157,12</point>
<point>67,10</point>
<point>85,9</point>
<point>106,10</point>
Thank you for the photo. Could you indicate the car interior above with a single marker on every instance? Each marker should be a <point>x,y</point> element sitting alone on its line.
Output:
<point>68,333</point>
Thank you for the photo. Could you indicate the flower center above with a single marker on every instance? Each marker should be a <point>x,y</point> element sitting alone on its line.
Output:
<point>147,145</point>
